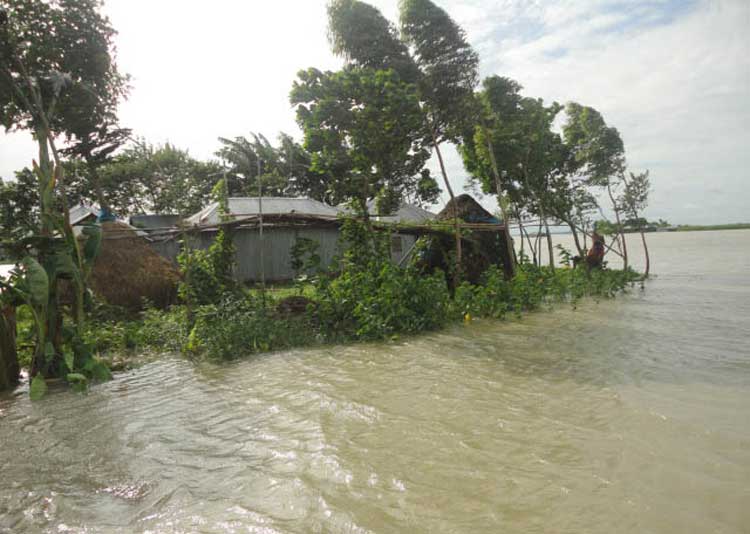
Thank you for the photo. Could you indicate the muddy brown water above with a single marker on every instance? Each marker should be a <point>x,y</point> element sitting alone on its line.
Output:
<point>627,415</point>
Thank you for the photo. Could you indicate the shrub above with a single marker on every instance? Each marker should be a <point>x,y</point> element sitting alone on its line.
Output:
<point>380,300</point>
<point>239,326</point>
<point>165,330</point>
<point>207,274</point>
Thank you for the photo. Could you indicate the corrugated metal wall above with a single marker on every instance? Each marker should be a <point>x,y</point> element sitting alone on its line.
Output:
<point>277,248</point>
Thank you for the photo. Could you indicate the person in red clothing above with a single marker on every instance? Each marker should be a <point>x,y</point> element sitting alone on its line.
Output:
<point>596,253</point>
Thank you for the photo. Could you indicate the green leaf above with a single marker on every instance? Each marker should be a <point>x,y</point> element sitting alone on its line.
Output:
<point>64,263</point>
<point>76,377</point>
<point>37,281</point>
<point>98,370</point>
<point>38,388</point>
<point>69,360</point>
<point>78,382</point>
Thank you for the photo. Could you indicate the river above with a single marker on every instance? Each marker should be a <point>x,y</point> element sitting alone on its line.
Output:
<point>626,415</point>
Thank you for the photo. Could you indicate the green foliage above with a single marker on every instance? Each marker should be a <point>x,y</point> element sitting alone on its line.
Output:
<point>57,78</point>
<point>38,388</point>
<point>379,301</point>
<point>634,198</point>
<point>65,50</point>
<point>365,38</point>
<point>241,325</point>
<point>19,211</point>
<point>306,261</point>
<point>220,195</point>
<point>597,149</point>
<point>163,330</point>
<point>144,178</point>
<point>364,129</point>
<point>448,66</point>
<point>253,167</point>
<point>534,287</point>
<point>207,274</point>
<point>368,301</point>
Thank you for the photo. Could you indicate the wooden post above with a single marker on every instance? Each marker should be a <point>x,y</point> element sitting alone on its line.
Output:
<point>260,237</point>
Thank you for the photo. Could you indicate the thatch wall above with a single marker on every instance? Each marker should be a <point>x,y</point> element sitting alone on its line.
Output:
<point>128,270</point>
<point>480,248</point>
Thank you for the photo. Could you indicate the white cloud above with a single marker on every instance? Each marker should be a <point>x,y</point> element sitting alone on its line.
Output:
<point>675,81</point>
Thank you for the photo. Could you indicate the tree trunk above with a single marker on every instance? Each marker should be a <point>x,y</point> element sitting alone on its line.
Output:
<point>9,369</point>
<point>94,172</point>
<point>645,250</point>
<point>501,203</point>
<point>550,250</point>
<point>436,146</point>
<point>537,247</point>
<point>619,228</point>
<point>581,252</point>
<point>525,233</point>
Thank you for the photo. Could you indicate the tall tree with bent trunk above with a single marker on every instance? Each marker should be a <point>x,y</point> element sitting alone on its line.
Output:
<point>441,63</point>
<point>448,68</point>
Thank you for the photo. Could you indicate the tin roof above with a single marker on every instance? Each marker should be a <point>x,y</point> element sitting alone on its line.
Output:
<point>80,213</point>
<point>406,213</point>
<point>250,206</point>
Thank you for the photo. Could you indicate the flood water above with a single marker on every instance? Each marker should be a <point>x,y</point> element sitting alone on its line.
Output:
<point>628,415</point>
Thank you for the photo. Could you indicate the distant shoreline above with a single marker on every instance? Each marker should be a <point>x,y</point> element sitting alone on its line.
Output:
<point>703,228</point>
<point>679,228</point>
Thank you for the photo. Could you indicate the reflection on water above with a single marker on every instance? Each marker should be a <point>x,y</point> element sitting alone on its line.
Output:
<point>630,415</point>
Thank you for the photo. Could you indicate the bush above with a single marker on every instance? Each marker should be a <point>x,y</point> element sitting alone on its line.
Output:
<point>379,301</point>
<point>166,330</point>
<point>238,326</point>
<point>207,274</point>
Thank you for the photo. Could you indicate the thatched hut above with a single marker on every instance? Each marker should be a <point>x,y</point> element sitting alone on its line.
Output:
<point>128,270</point>
<point>480,247</point>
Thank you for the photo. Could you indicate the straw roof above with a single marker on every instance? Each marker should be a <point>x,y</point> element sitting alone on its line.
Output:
<point>128,270</point>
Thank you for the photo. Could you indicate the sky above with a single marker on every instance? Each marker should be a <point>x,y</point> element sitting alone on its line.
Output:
<point>672,75</point>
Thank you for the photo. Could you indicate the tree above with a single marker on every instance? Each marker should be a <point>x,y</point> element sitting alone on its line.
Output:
<point>364,130</point>
<point>57,71</point>
<point>448,68</point>
<point>95,145</point>
<point>19,210</point>
<point>359,33</point>
<point>294,162</point>
<point>441,62</point>
<point>514,151</point>
<point>157,179</point>
<point>597,154</point>
<point>633,200</point>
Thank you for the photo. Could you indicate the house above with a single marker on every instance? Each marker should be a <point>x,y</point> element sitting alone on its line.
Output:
<point>285,222</point>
